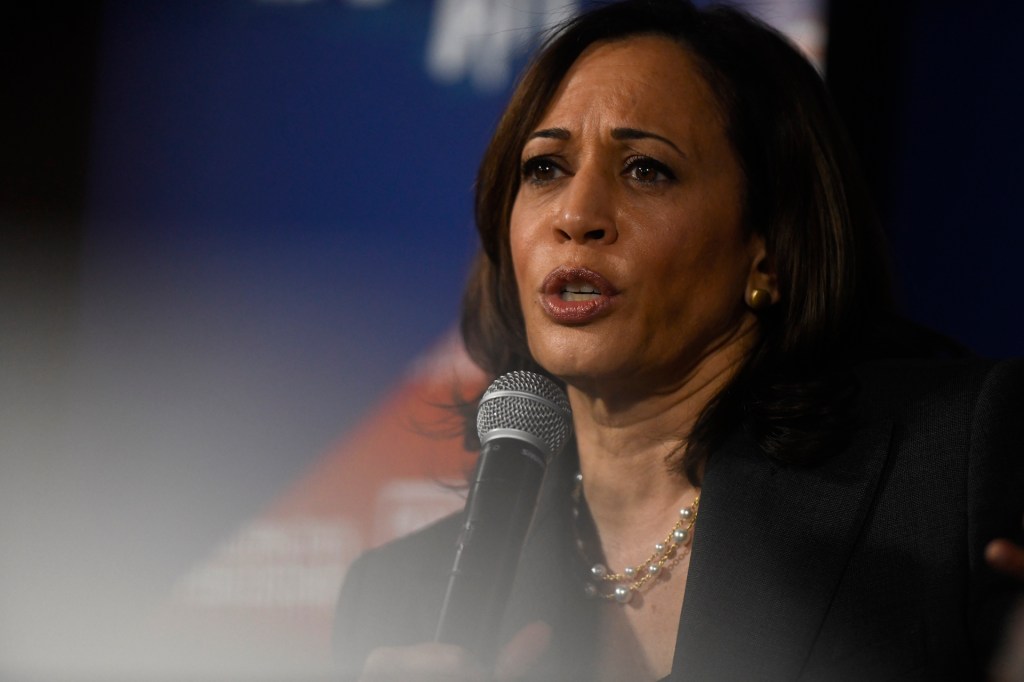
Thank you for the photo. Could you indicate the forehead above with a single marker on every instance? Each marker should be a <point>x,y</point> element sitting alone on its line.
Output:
<point>648,79</point>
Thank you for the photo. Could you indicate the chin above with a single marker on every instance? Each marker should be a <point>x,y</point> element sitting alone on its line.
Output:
<point>578,368</point>
<point>578,354</point>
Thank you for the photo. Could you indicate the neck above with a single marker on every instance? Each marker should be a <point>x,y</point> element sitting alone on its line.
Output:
<point>625,445</point>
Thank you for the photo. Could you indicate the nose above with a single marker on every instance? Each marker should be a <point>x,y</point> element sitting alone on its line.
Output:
<point>585,212</point>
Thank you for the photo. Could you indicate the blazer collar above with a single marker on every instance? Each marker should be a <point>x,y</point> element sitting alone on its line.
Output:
<point>771,544</point>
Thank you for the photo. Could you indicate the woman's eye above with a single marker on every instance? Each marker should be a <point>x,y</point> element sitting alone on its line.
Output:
<point>648,171</point>
<point>541,169</point>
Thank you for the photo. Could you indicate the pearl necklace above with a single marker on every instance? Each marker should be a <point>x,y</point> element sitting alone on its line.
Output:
<point>621,587</point>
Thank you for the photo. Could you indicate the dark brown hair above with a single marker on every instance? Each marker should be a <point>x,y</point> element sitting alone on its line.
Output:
<point>803,195</point>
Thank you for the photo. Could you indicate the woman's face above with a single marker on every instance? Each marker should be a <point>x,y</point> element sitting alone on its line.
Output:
<point>629,253</point>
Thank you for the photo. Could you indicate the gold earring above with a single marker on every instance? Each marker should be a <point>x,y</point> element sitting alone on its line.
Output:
<point>760,299</point>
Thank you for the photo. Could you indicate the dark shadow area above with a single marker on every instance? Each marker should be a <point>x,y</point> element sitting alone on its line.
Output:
<point>930,92</point>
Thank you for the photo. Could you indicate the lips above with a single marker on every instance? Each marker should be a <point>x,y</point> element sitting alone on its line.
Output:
<point>576,295</point>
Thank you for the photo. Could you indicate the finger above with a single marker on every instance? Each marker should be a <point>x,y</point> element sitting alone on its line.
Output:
<point>524,649</point>
<point>430,662</point>
<point>1009,664</point>
<point>1006,557</point>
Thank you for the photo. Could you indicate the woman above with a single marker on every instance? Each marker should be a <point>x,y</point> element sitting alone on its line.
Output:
<point>671,228</point>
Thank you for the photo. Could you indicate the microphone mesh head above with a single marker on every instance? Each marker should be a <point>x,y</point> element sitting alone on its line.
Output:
<point>526,402</point>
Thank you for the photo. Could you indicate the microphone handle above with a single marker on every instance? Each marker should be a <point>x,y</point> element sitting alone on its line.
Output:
<point>498,514</point>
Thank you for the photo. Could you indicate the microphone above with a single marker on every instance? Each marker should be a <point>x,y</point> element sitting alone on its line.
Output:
<point>523,421</point>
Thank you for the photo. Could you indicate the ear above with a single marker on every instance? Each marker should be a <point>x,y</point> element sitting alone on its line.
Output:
<point>762,282</point>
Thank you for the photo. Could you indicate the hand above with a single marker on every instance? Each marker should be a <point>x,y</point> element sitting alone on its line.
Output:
<point>433,661</point>
<point>422,662</point>
<point>523,651</point>
<point>1006,557</point>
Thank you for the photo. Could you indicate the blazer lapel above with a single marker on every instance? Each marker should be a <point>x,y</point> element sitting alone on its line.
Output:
<point>771,544</point>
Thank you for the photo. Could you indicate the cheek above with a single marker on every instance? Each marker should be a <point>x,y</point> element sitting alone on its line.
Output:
<point>670,253</point>
<point>520,247</point>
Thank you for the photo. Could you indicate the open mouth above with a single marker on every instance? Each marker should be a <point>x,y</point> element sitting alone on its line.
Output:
<point>578,291</point>
<point>576,295</point>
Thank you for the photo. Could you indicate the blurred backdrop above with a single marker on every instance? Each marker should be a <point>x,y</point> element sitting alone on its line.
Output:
<point>234,236</point>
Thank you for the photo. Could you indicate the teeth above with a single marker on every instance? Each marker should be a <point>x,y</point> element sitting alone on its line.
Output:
<point>573,296</point>
<point>580,289</point>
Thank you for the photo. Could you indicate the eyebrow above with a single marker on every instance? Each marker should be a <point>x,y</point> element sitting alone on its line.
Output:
<point>551,133</point>
<point>636,134</point>
<point>617,134</point>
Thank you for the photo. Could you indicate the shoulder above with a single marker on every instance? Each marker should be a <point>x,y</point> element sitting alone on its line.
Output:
<point>963,390</point>
<point>418,552</point>
<point>392,594</point>
<point>951,479</point>
<point>965,410</point>
<point>956,450</point>
<point>917,374</point>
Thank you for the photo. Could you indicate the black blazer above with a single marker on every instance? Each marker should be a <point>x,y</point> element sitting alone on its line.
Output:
<point>865,565</point>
